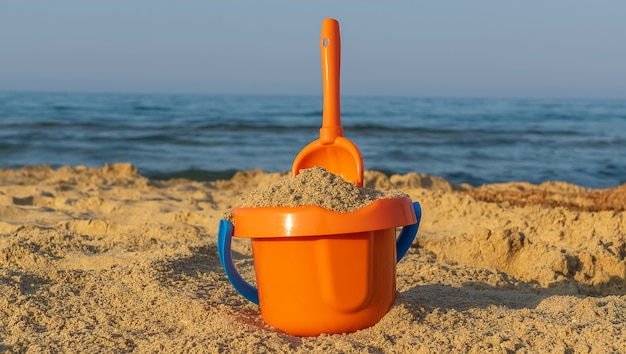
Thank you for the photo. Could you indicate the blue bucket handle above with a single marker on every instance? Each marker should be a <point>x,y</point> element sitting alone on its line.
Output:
<point>224,242</point>
<point>408,233</point>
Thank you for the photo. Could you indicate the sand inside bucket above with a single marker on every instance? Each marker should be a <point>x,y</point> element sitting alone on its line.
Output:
<point>315,186</point>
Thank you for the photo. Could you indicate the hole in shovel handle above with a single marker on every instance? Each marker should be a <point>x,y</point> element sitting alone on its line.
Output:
<point>325,42</point>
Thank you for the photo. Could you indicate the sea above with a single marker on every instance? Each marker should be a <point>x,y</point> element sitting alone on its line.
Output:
<point>207,137</point>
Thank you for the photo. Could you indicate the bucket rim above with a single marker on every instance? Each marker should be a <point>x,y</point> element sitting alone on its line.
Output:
<point>313,220</point>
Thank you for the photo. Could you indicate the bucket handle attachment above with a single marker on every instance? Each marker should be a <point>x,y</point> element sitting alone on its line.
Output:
<point>224,242</point>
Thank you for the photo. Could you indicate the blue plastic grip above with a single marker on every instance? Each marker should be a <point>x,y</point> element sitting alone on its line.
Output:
<point>224,241</point>
<point>407,235</point>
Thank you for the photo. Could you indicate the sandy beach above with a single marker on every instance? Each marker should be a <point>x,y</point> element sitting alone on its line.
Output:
<point>106,260</point>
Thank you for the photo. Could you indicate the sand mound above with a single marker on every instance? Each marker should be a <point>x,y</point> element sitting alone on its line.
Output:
<point>315,186</point>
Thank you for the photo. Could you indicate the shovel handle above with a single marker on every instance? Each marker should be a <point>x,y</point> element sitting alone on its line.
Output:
<point>330,50</point>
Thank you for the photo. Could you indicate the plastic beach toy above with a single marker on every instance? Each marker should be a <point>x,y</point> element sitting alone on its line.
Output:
<point>338,154</point>
<point>320,271</point>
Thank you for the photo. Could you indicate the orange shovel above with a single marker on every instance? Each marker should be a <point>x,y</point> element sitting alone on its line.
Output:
<point>332,151</point>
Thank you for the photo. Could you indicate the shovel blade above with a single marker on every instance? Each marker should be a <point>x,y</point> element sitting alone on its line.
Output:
<point>340,157</point>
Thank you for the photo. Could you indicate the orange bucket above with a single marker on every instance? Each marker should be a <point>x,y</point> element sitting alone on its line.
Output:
<point>320,271</point>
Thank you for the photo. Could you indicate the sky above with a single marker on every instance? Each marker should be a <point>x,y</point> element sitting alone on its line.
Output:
<point>524,49</point>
